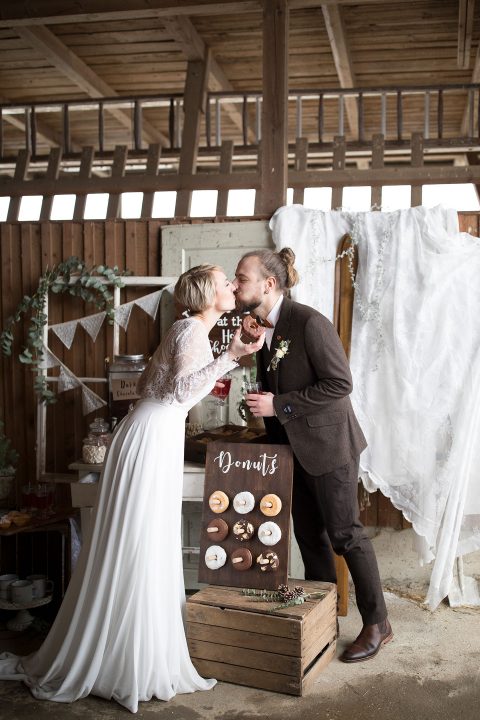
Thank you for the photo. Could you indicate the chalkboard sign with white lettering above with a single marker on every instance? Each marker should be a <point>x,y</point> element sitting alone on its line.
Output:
<point>245,536</point>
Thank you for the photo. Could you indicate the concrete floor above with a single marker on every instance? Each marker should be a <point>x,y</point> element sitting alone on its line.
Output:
<point>430,671</point>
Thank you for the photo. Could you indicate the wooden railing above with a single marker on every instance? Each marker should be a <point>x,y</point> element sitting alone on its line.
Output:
<point>317,114</point>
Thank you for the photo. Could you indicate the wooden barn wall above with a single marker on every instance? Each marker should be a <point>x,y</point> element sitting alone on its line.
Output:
<point>26,251</point>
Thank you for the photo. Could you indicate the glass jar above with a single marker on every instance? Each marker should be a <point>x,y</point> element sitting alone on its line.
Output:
<point>95,444</point>
<point>123,375</point>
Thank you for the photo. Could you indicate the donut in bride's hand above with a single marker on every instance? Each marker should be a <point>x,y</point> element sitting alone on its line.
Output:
<point>251,328</point>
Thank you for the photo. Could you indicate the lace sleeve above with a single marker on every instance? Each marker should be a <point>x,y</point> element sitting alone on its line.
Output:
<point>192,373</point>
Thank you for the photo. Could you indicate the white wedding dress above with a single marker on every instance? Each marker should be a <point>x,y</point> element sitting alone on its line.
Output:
<point>119,632</point>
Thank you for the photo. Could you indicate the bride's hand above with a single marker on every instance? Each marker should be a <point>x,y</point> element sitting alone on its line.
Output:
<point>238,349</point>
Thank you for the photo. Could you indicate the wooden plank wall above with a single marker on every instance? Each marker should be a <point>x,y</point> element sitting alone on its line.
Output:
<point>26,250</point>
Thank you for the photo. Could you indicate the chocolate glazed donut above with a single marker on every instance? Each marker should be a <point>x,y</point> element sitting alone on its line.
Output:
<point>241,559</point>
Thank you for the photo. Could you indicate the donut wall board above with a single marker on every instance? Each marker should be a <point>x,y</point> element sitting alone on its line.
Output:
<point>245,536</point>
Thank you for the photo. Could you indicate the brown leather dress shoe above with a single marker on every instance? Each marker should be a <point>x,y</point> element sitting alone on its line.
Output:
<point>368,643</point>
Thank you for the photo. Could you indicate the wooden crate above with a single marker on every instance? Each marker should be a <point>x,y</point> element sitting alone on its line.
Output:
<point>236,640</point>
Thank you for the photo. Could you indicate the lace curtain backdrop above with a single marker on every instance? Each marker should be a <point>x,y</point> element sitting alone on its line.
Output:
<point>415,360</point>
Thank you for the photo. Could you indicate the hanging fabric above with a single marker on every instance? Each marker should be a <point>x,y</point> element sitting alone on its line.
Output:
<point>415,359</point>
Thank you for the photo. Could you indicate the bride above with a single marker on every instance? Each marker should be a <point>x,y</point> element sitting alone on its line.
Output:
<point>119,632</point>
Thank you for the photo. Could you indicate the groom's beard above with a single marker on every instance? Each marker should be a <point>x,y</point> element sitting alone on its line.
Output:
<point>245,307</point>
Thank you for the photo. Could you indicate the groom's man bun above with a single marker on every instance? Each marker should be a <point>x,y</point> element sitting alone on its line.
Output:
<point>278,265</point>
<point>288,258</point>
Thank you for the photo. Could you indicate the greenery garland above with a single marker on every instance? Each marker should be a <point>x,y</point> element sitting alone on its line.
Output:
<point>73,278</point>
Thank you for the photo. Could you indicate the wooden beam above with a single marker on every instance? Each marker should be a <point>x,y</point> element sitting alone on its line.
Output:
<point>86,164</point>
<point>142,182</point>
<point>226,158</point>
<point>465,28</point>
<point>136,182</point>
<point>473,158</point>
<point>475,79</point>
<point>49,12</point>
<point>332,15</point>
<point>339,150</point>
<point>183,31</point>
<point>417,162</point>
<point>193,105</point>
<point>301,161</point>
<point>78,72</point>
<point>378,148</point>
<point>52,173</point>
<point>273,192</point>
<point>153,158</point>
<point>21,170</point>
<point>118,171</point>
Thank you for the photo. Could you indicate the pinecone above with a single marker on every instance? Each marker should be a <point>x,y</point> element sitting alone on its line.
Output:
<point>289,595</point>
<point>299,591</point>
<point>282,589</point>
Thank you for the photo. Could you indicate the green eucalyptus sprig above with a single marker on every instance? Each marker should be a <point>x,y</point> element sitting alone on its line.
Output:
<point>70,277</point>
<point>284,596</point>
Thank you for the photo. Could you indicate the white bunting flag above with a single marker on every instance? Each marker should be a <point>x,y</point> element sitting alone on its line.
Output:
<point>65,331</point>
<point>92,324</point>
<point>122,314</point>
<point>90,401</point>
<point>150,303</point>
<point>48,360</point>
<point>66,380</point>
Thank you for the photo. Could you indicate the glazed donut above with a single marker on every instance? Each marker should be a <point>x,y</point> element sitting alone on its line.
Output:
<point>243,530</point>
<point>241,559</point>
<point>268,562</point>
<point>269,533</point>
<point>244,502</point>
<point>215,557</point>
<point>270,505</point>
<point>217,530</point>
<point>218,501</point>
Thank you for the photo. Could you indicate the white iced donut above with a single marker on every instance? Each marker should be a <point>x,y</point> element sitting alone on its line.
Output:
<point>215,557</point>
<point>243,502</point>
<point>269,533</point>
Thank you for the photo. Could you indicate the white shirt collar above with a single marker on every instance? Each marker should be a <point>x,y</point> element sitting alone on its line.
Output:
<point>274,313</point>
<point>272,318</point>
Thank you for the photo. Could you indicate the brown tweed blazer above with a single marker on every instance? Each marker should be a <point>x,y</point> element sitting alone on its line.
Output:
<point>311,385</point>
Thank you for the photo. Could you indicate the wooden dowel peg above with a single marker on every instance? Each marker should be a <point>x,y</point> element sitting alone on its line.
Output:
<point>212,529</point>
<point>237,560</point>
<point>211,557</point>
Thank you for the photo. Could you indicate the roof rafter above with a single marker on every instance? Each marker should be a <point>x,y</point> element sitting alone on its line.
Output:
<point>475,79</point>
<point>338,42</point>
<point>181,29</point>
<point>46,12</point>
<point>51,47</point>
<point>465,28</point>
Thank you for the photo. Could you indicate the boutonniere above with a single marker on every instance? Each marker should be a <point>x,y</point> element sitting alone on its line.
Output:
<point>280,351</point>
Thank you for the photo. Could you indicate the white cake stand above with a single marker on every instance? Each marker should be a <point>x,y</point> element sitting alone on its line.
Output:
<point>23,619</point>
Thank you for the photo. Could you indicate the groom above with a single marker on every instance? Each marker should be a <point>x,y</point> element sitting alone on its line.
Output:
<point>305,372</point>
